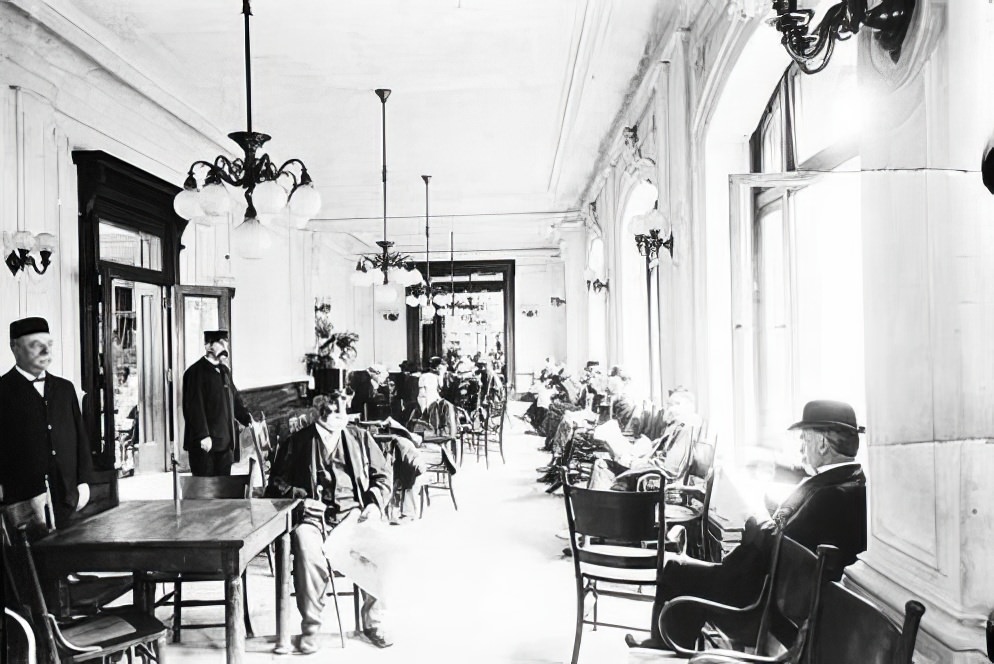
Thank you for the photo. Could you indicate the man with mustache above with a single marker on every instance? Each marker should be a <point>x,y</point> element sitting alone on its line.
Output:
<point>210,407</point>
<point>43,443</point>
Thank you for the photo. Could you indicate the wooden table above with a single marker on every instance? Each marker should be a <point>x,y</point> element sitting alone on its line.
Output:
<point>203,536</point>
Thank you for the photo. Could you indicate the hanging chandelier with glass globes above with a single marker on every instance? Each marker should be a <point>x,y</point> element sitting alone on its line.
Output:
<point>265,186</point>
<point>387,268</point>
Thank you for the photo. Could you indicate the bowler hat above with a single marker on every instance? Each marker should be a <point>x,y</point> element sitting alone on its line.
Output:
<point>213,336</point>
<point>825,414</point>
<point>32,325</point>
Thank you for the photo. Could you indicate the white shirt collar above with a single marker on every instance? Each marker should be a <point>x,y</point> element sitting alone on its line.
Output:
<point>24,373</point>
<point>830,466</point>
<point>212,360</point>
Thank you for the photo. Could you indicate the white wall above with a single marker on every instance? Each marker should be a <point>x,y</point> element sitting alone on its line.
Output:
<point>544,334</point>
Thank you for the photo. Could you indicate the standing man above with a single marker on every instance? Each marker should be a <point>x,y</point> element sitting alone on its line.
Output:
<point>210,407</point>
<point>42,437</point>
<point>338,470</point>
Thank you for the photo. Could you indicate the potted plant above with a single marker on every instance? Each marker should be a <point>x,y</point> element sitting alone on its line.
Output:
<point>333,351</point>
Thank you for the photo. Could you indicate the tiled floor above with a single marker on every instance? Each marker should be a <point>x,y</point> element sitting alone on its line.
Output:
<point>487,583</point>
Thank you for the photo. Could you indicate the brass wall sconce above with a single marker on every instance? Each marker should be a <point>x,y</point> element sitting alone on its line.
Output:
<point>529,313</point>
<point>812,50</point>
<point>597,285</point>
<point>557,301</point>
<point>651,242</point>
<point>391,315</point>
<point>18,247</point>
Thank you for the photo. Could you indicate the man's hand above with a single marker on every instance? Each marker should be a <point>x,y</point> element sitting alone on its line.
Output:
<point>84,495</point>
<point>371,510</point>
<point>205,443</point>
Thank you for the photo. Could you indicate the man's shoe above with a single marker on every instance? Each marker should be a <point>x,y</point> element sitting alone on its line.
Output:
<point>653,644</point>
<point>309,644</point>
<point>568,553</point>
<point>376,638</point>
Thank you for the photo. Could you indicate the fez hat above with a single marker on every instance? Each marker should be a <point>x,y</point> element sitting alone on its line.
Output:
<point>213,336</point>
<point>32,325</point>
<point>825,414</point>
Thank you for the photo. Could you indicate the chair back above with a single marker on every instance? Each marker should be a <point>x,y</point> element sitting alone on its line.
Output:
<point>262,446</point>
<point>22,587</point>
<point>797,572</point>
<point>103,495</point>
<point>20,638</point>
<point>226,486</point>
<point>848,628</point>
<point>626,516</point>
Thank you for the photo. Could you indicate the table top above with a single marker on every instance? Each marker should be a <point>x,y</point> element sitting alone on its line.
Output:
<point>157,523</point>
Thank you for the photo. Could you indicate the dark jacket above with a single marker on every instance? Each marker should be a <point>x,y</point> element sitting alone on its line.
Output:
<point>36,431</point>
<point>210,401</point>
<point>291,475</point>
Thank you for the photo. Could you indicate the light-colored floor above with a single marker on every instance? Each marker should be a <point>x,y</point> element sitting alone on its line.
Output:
<point>488,583</point>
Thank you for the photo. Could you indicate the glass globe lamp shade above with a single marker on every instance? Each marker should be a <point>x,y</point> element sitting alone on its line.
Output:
<point>251,239</point>
<point>187,204</point>
<point>443,299</point>
<point>24,240</point>
<point>214,200</point>
<point>411,301</point>
<point>269,197</point>
<point>656,220</point>
<point>427,313</point>
<point>46,242</point>
<point>395,276</point>
<point>422,300</point>
<point>305,201</point>
<point>385,294</point>
<point>636,225</point>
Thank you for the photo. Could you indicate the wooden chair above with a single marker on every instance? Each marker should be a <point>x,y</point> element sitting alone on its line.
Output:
<point>203,488</point>
<point>102,637</point>
<point>84,594</point>
<point>18,637</point>
<point>263,451</point>
<point>688,501</point>
<point>627,520</point>
<point>844,628</point>
<point>782,609</point>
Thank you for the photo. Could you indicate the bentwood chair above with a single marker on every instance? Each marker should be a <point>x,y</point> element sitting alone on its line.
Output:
<point>203,488</point>
<point>625,522</point>
<point>781,610</point>
<point>18,637</point>
<point>843,628</point>
<point>103,637</point>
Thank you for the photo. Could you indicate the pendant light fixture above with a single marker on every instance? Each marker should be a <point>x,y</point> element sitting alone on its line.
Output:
<point>388,268</point>
<point>265,185</point>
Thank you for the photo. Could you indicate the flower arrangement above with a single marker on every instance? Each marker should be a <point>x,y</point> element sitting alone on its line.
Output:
<point>332,350</point>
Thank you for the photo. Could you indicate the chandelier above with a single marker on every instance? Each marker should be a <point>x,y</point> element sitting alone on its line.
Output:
<point>812,51</point>
<point>387,267</point>
<point>264,185</point>
<point>422,295</point>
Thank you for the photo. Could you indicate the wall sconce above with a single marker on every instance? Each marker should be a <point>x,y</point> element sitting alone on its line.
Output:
<point>812,50</point>
<point>391,315</point>
<point>648,233</point>
<point>597,285</point>
<point>18,247</point>
<point>557,301</point>
<point>529,313</point>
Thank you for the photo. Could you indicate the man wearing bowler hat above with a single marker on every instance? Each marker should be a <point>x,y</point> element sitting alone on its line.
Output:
<point>43,443</point>
<point>210,407</point>
<point>829,507</point>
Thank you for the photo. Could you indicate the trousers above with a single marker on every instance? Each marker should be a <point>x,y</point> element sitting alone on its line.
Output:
<point>311,576</point>
<point>211,464</point>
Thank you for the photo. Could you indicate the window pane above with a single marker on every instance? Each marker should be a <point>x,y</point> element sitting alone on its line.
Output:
<point>130,247</point>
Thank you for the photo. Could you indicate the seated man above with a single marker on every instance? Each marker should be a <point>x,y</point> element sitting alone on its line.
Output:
<point>336,469</point>
<point>828,508</point>
<point>669,454</point>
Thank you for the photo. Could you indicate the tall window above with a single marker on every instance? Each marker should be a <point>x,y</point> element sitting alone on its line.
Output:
<point>806,252</point>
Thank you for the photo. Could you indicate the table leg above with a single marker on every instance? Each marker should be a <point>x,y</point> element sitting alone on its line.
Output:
<point>234,602</point>
<point>144,593</point>
<point>282,593</point>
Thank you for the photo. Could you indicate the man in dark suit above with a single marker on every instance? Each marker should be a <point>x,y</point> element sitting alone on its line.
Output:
<point>43,439</point>
<point>827,508</point>
<point>337,470</point>
<point>210,407</point>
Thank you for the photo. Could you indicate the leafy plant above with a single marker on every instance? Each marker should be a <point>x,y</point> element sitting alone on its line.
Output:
<point>332,349</point>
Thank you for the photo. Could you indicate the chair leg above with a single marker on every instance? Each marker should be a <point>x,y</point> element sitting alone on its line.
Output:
<point>593,591</point>
<point>249,632</point>
<point>269,557</point>
<point>338,613</point>
<point>486,444</point>
<point>356,603</point>
<point>578,635</point>
<point>421,509</point>
<point>160,650</point>
<point>177,610</point>
<point>452,493</point>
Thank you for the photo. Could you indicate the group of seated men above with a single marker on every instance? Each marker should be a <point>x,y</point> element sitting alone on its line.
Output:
<point>828,507</point>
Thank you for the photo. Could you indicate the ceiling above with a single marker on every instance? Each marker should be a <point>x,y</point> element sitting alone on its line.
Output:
<point>504,102</point>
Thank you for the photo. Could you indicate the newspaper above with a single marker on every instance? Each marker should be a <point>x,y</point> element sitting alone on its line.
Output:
<point>364,552</point>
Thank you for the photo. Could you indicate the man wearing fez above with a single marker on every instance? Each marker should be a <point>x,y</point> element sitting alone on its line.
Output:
<point>44,445</point>
<point>829,507</point>
<point>210,407</point>
<point>338,470</point>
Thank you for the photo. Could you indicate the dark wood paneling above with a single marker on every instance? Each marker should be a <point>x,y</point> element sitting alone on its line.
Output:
<point>278,403</point>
